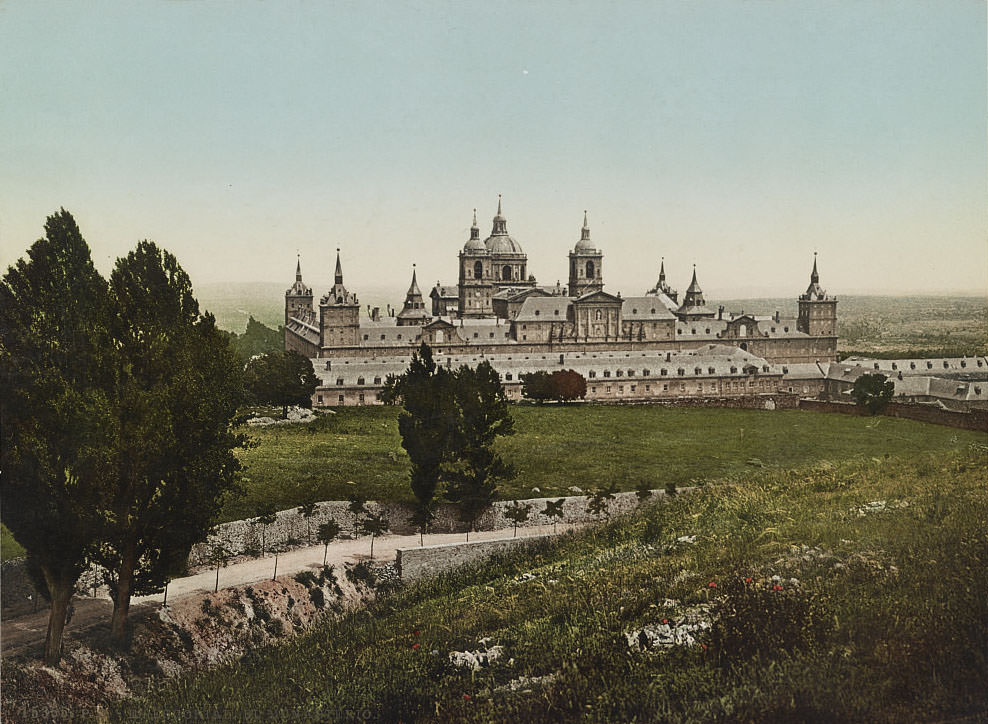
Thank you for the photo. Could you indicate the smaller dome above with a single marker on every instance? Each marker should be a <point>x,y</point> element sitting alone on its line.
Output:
<point>474,245</point>
<point>584,245</point>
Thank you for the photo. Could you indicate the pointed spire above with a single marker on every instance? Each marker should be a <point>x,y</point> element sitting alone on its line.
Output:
<point>298,268</point>
<point>474,229</point>
<point>662,271</point>
<point>413,289</point>
<point>500,223</point>
<point>585,231</point>
<point>694,287</point>
<point>339,268</point>
<point>814,276</point>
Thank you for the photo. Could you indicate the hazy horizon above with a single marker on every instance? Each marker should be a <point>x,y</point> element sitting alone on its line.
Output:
<point>737,136</point>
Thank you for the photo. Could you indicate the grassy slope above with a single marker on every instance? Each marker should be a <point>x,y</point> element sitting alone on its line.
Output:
<point>888,625</point>
<point>558,447</point>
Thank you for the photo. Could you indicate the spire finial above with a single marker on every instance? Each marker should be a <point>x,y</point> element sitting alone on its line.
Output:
<point>499,204</point>
<point>298,267</point>
<point>475,217</point>
<point>814,276</point>
<point>339,267</point>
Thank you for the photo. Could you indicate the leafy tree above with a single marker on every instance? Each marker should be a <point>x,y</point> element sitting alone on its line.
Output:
<point>873,392</point>
<point>265,515</point>
<point>357,506</point>
<point>219,554</point>
<point>537,386</point>
<point>474,468</point>
<point>427,425</point>
<point>374,525</point>
<point>599,500</point>
<point>281,378</point>
<point>258,339</point>
<point>179,387</point>
<point>327,532</point>
<point>57,424</point>
<point>307,510</point>
<point>554,509</point>
<point>643,492</point>
<point>422,518</point>
<point>567,385</point>
<point>517,514</point>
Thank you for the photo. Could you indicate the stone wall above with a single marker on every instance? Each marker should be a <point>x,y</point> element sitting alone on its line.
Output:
<point>971,420</point>
<point>291,530</point>
<point>422,562</point>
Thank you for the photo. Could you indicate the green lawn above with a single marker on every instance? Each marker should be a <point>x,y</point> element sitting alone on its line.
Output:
<point>876,616</point>
<point>359,449</point>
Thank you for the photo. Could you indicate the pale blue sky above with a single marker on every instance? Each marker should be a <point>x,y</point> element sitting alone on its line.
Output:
<point>737,135</point>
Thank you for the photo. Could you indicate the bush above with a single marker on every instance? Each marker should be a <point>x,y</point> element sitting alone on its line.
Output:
<point>765,617</point>
<point>318,598</point>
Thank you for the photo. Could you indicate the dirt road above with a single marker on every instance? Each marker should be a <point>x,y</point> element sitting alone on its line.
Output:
<point>25,635</point>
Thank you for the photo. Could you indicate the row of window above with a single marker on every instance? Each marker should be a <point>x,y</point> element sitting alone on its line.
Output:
<point>929,364</point>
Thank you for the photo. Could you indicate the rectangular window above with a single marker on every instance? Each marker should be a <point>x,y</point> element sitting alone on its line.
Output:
<point>341,399</point>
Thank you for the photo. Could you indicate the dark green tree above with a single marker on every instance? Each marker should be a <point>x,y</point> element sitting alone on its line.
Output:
<point>554,509</point>
<point>258,339</point>
<point>427,425</point>
<point>873,392</point>
<point>57,424</point>
<point>307,510</point>
<point>358,507</point>
<point>374,525</point>
<point>473,469</point>
<point>598,502</point>
<point>179,387</point>
<point>643,492</point>
<point>265,515</point>
<point>537,386</point>
<point>327,533</point>
<point>281,378</point>
<point>517,513</point>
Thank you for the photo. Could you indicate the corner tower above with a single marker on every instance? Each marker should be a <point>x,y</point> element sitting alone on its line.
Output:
<point>586,262</point>
<point>339,314</point>
<point>298,297</point>
<point>817,310</point>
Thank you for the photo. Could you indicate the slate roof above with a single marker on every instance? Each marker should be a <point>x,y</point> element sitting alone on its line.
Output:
<point>544,309</point>
<point>645,309</point>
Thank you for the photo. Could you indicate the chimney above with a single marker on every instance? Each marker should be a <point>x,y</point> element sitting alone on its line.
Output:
<point>376,314</point>
<point>777,316</point>
<point>668,356</point>
<point>720,312</point>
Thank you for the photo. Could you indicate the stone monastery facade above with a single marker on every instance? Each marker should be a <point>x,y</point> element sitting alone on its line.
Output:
<point>498,311</point>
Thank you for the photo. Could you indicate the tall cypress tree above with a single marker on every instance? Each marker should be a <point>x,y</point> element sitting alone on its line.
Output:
<point>180,386</point>
<point>57,424</point>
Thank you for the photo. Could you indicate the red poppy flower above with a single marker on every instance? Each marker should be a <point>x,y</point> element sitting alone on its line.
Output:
<point>712,584</point>
<point>703,646</point>
<point>466,697</point>
<point>415,633</point>
<point>776,587</point>
<point>415,646</point>
<point>665,620</point>
<point>748,579</point>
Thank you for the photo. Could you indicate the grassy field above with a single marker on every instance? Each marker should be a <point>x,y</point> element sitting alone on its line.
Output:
<point>358,450</point>
<point>850,592</point>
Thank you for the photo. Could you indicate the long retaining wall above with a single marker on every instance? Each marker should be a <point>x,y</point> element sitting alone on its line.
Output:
<point>425,561</point>
<point>971,420</point>
<point>292,530</point>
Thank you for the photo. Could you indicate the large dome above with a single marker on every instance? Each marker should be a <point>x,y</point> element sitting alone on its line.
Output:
<point>502,244</point>
<point>585,245</point>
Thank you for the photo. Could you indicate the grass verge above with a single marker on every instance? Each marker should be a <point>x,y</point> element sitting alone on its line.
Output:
<point>847,592</point>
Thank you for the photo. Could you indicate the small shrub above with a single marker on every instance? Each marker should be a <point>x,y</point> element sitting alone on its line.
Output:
<point>361,573</point>
<point>670,489</point>
<point>318,598</point>
<point>766,617</point>
<point>275,627</point>
<point>307,579</point>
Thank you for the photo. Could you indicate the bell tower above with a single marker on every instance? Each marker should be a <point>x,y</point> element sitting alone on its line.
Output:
<point>339,314</point>
<point>817,310</point>
<point>586,262</point>
<point>298,298</point>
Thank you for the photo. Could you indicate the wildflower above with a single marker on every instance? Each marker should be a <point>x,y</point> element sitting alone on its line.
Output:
<point>748,579</point>
<point>665,620</point>
<point>415,633</point>
<point>415,646</point>
<point>712,584</point>
<point>466,697</point>
<point>776,587</point>
<point>703,646</point>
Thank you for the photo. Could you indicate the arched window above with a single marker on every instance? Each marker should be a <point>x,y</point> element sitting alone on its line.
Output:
<point>598,316</point>
<point>478,270</point>
<point>506,272</point>
<point>590,274</point>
